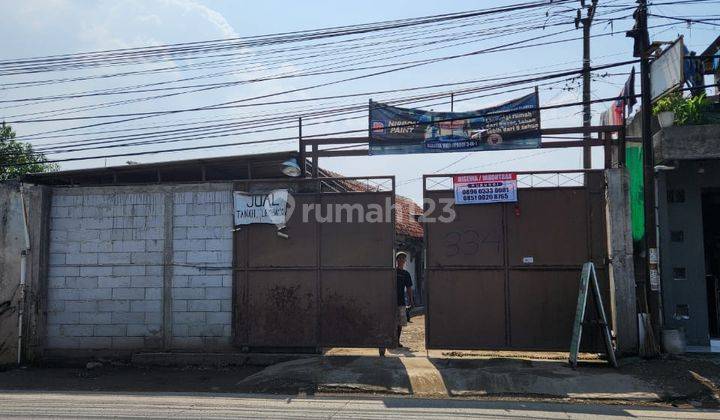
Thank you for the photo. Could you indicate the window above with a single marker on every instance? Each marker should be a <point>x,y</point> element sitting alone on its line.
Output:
<point>679,273</point>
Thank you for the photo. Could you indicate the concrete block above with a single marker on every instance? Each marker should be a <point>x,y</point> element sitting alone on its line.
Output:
<point>205,330</point>
<point>83,235</point>
<point>63,271</point>
<point>147,281</point>
<point>226,305</point>
<point>66,200</point>
<point>65,247</point>
<point>143,330</point>
<point>96,223</point>
<point>145,306</point>
<point>81,283</point>
<point>80,305</point>
<point>189,245</point>
<point>141,210</point>
<point>219,245</point>
<point>149,233</point>
<point>153,318</point>
<point>204,305</point>
<point>189,317</point>
<point>79,294</point>
<point>185,270</point>
<point>110,331</point>
<point>114,281</point>
<point>76,330</point>
<point>118,233</point>
<point>224,318</point>
<point>63,342</point>
<point>99,246</point>
<point>90,212</point>
<point>147,257</point>
<point>128,270</point>
<point>180,281</point>
<point>97,343</point>
<point>219,221</point>
<point>57,318</point>
<point>227,281</point>
<point>128,343</point>
<point>128,246</point>
<point>153,293</point>
<point>179,233</point>
<point>204,209</point>
<point>95,318</point>
<point>56,306</point>
<point>69,223</point>
<point>206,281</point>
<point>113,305</point>
<point>187,342</point>
<point>154,221</point>
<point>114,258</point>
<point>58,212</point>
<point>188,293</point>
<point>180,330</point>
<point>203,257</point>
<point>179,305</point>
<point>128,293</point>
<point>189,221</point>
<point>218,293</point>
<point>58,236</point>
<point>154,270</point>
<point>95,271</point>
<point>56,259</point>
<point>180,257</point>
<point>154,245</point>
<point>179,209</point>
<point>86,258</point>
<point>54,331</point>
<point>128,318</point>
<point>56,282</point>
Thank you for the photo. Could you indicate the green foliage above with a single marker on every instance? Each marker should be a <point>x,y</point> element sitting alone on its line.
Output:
<point>18,158</point>
<point>688,111</point>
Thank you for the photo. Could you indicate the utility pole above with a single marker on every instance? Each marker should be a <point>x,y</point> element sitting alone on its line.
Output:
<point>587,115</point>
<point>642,50</point>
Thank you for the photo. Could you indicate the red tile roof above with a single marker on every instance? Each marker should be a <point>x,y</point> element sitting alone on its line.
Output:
<point>406,210</point>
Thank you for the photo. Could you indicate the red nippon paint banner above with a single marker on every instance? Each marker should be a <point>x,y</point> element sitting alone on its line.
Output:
<point>485,188</point>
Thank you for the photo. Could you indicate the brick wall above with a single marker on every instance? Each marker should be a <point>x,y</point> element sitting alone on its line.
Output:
<point>202,298</point>
<point>106,273</point>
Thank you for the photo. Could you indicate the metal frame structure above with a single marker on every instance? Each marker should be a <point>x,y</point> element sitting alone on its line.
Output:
<point>614,147</point>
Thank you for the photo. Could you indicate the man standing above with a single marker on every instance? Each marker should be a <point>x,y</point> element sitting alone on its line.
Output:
<point>404,284</point>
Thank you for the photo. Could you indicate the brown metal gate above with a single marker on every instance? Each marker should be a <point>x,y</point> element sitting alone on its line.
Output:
<point>326,284</point>
<point>505,276</point>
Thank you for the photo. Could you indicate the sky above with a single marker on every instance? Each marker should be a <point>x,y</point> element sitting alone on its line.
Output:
<point>33,28</point>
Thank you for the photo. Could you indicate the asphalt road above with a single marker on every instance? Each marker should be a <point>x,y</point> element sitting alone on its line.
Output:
<point>23,404</point>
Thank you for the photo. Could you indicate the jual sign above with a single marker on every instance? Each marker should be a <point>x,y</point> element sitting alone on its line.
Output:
<point>512,125</point>
<point>269,207</point>
<point>485,188</point>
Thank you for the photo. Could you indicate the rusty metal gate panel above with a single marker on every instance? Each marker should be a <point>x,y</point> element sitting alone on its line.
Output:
<point>505,276</point>
<point>325,284</point>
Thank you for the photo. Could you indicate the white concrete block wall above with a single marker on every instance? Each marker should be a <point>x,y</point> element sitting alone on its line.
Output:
<point>202,297</point>
<point>106,267</point>
<point>105,275</point>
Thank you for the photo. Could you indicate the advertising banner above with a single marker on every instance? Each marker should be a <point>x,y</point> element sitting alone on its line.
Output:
<point>666,72</point>
<point>485,188</point>
<point>512,125</point>
<point>270,207</point>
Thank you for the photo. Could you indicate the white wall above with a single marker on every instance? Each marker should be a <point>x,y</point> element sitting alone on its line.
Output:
<point>107,271</point>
